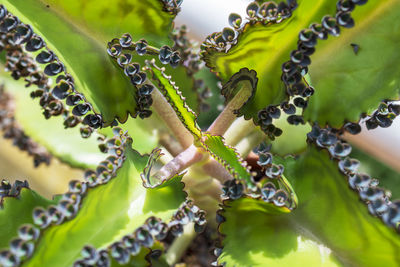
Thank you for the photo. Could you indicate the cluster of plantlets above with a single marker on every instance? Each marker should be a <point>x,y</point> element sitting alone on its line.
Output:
<point>278,182</point>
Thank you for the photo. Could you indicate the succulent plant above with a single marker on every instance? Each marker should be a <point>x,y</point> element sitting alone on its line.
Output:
<point>241,138</point>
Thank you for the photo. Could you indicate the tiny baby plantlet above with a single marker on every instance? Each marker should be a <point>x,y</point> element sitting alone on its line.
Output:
<point>239,142</point>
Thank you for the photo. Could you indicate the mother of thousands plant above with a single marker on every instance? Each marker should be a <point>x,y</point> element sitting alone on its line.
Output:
<point>242,137</point>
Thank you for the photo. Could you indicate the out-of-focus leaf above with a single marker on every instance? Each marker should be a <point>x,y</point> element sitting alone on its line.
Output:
<point>17,211</point>
<point>214,102</point>
<point>66,144</point>
<point>272,43</point>
<point>109,212</point>
<point>106,20</point>
<point>348,83</point>
<point>254,237</point>
<point>135,261</point>
<point>329,216</point>
<point>227,157</point>
<point>293,138</point>
<point>143,132</point>
<point>84,56</point>
<point>175,99</point>
<point>388,178</point>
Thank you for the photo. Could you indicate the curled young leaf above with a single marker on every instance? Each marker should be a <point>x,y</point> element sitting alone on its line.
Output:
<point>272,38</point>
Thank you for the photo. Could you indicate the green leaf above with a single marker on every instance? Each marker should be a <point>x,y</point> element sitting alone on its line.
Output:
<point>64,143</point>
<point>174,98</point>
<point>135,261</point>
<point>227,157</point>
<point>329,216</point>
<point>17,211</point>
<point>108,212</point>
<point>231,89</point>
<point>388,177</point>
<point>348,83</point>
<point>102,84</point>
<point>254,237</point>
<point>293,138</point>
<point>74,150</point>
<point>271,42</point>
<point>143,132</point>
<point>105,19</point>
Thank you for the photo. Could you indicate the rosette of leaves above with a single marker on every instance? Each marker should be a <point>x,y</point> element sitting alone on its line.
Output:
<point>305,72</point>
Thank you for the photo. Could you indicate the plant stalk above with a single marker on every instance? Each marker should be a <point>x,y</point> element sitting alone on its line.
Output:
<point>228,116</point>
<point>184,160</point>
<point>246,145</point>
<point>168,115</point>
<point>239,129</point>
<point>180,244</point>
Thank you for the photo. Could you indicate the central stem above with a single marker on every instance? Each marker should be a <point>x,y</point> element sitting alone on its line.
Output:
<point>168,115</point>
<point>184,160</point>
<point>194,154</point>
<point>228,116</point>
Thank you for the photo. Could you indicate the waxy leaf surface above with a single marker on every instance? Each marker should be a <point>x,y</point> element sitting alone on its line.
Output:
<point>272,43</point>
<point>85,54</point>
<point>108,212</point>
<point>17,211</point>
<point>67,144</point>
<point>349,83</point>
<point>329,217</point>
<point>227,157</point>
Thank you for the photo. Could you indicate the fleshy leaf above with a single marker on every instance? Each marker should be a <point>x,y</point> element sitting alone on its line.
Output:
<point>388,178</point>
<point>129,55</point>
<point>329,216</point>
<point>105,20</point>
<point>293,138</point>
<point>347,82</point>
<point>66,144</point>
<point>104,218</point>
<point>227,157</point>
<point>175,98</point>
<point>271,42</point>
<point>74,150</point>
<point>254,237</point>
<point>143,132</point>
<point>87,62</point>
<point>17,211</point>
<point>143,245</point>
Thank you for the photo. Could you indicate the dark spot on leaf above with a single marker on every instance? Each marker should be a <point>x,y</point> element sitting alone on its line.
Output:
<point>356,48</point>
